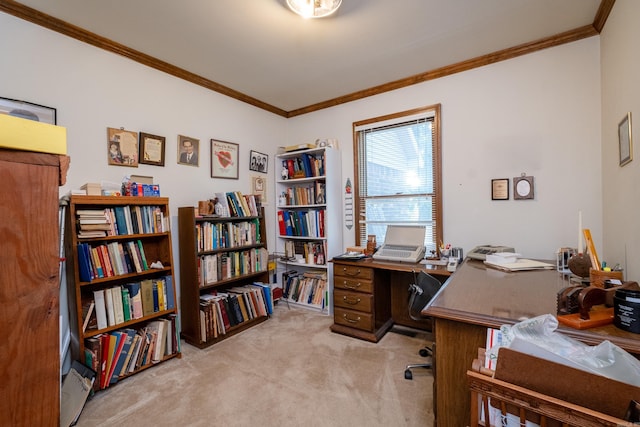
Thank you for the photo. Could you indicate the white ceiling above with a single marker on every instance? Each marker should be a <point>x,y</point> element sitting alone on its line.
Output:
<point>263,50</point>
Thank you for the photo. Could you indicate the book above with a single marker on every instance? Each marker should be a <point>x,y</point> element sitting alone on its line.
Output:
<point>146,292</point>
<point>118,340</point>
<point>171,303</point>
<point>101,308</point>
<point>108,301</point>
<point>118,306</point>
<point>136,299</point>
<point>75,390</point>
<point>142,255</point>
<point>93,355</point>
<point>126,303</point>
<point>84,263</point>
<point>108,352</point>
<point>87,314</point>
<point>127,339</point>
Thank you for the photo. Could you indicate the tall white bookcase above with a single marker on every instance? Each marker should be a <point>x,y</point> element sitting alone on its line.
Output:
<point>309,224</point>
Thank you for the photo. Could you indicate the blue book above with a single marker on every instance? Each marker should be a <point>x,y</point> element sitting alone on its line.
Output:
<point>84,264</point>
<point>156,301</point>
<point>126,335</point>
<point>266,293</point>
<point>121,220</point>
<point>168,287</point>
<point>287,223</point>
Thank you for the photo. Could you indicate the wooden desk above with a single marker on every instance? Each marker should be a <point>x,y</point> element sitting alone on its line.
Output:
<point>477,298</point>
<point>369,296</point>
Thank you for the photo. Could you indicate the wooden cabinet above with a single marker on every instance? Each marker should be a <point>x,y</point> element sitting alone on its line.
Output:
<point>309,222</point>
<point>361,301</point>
<point>120,271</point>
<point>221,259</point>
<point>29,287</point>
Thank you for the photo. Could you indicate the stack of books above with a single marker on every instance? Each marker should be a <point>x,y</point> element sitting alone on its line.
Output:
<point>92,223</point>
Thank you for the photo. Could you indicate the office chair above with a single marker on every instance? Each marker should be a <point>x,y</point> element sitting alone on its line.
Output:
<point>421,292</point>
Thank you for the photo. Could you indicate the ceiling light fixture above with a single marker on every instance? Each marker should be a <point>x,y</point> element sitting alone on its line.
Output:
<point>314,8</point>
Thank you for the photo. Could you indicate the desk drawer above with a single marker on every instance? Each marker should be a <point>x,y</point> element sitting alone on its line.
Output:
<point>353,319</point>
<point>353,300</point>
<point>353,271</point>
<point>353,284</point>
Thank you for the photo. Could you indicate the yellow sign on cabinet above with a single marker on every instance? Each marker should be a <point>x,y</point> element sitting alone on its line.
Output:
<point>29,135</point>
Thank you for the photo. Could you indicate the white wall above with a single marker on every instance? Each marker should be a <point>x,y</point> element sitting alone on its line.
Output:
<point>93,89</point>
<point>538,114</point>
<point>621,94</point>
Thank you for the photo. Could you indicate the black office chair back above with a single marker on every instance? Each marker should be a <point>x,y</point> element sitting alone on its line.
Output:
<point>422,291</point>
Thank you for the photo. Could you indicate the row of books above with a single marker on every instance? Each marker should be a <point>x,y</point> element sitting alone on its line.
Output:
<point>215,267</point>
<point>234,203</point>
<point>121,220</point>
<point>305,223</point>
<point>122,303</point>
<point>218,235</point>
<point>119,353</point>
<point>220,311</point>
<point>307,288</point>
<point>110,259</point>
<point>305,166</point>
<point>305,195</point>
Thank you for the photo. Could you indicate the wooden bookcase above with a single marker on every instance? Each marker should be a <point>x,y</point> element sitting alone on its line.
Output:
<point>30,287</point>
<point>193,286</point>
<point>309,224</point>
<point>153,235</point>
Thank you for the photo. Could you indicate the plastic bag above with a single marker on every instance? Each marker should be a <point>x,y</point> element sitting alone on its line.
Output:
<point>538,337</point>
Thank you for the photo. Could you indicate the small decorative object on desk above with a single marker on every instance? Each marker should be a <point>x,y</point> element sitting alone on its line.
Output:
<point>371,245</point>
<point>579,264</point>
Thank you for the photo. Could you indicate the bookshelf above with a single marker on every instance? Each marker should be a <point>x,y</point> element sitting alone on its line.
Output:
<point>120,274</point>
<point>309,225</point>
<point>224,278</point>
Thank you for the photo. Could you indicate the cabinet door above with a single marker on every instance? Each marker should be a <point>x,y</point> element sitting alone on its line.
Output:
<point>29,288</point>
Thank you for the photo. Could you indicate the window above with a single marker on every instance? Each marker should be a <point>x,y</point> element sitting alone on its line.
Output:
<point>398,174</point>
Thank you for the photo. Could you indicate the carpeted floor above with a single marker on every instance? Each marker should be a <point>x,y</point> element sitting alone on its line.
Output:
<point>288,371</point>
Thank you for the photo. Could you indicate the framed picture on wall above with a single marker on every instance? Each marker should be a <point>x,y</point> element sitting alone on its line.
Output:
<point>224,159</point>
<point>122,147</point>
<point>624,140</point>
<point>258,162</point>
<point>152,149</point>
<point>28,110</point>
<point>188,150</point>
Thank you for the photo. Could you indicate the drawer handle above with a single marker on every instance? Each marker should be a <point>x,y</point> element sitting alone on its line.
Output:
<point>352,301</point>
<point>347,273</point>
<point>346,285</point>
<point>351,320</point>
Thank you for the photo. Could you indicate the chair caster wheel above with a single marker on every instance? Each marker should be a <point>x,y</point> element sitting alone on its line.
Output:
<point>408,375</point>
<point>424,352</point>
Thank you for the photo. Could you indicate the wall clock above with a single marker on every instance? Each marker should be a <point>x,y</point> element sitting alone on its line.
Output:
<point>523,187</point>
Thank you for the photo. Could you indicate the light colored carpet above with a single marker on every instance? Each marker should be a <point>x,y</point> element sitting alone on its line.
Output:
<point>288,371</point>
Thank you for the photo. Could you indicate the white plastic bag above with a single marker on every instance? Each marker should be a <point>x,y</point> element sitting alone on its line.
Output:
<point>538,337</point>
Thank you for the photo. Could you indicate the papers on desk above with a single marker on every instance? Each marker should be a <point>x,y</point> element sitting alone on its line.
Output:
<point>522,264</point>
<point>350,255</point>
<point>511,262</point>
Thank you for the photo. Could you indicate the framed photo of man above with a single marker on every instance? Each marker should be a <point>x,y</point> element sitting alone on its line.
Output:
<point>188,150</point>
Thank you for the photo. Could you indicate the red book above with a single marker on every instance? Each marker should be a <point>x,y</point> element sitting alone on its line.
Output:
<point>120,340</point>
<point>291,168</point>
<point>281,225</point>
<point>104,357</point>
